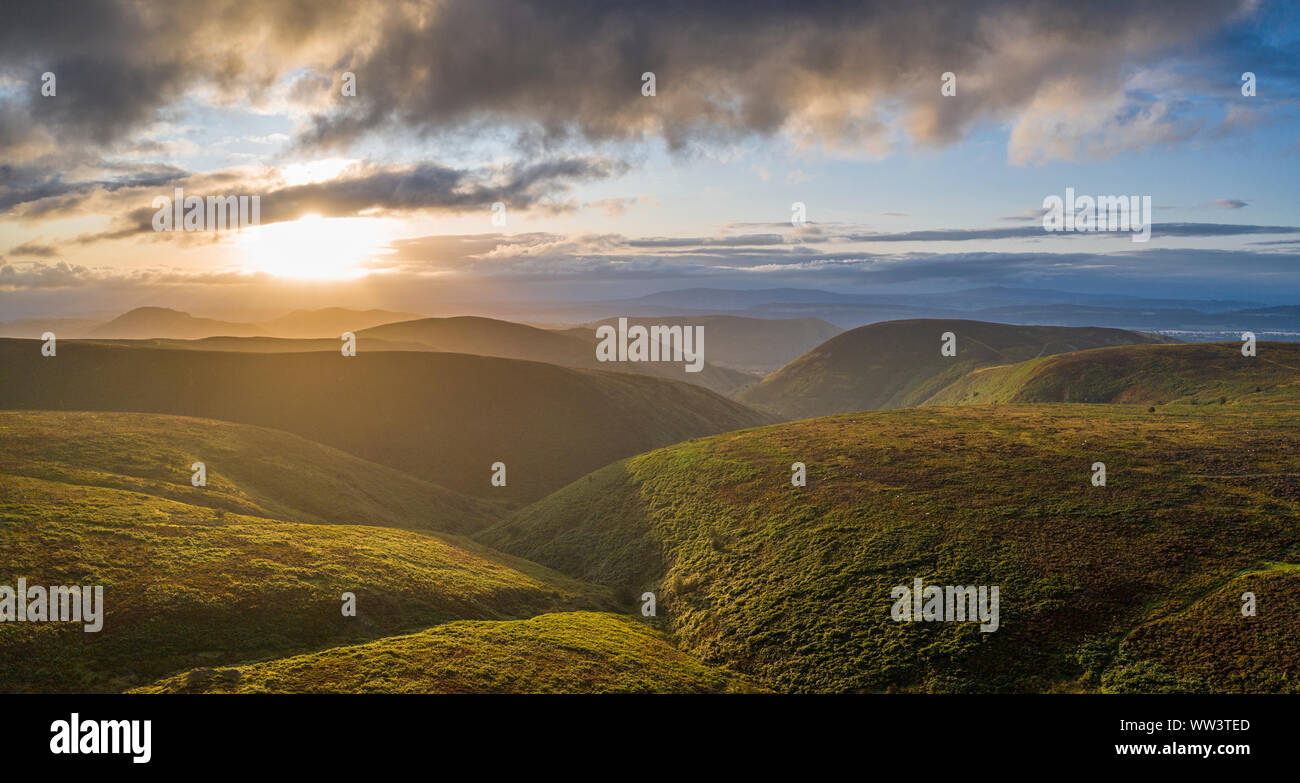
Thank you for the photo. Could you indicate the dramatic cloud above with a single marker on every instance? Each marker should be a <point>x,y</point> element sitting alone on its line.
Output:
<point>372,190</point>
<point>42,189</point>
<point>1070,80</point>
<point>606,256</point>
<point>120,66</point>
<point>34,250</point>
<point>832,74</point>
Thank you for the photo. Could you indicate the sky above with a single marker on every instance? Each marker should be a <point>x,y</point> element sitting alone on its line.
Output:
<point>921,143</point>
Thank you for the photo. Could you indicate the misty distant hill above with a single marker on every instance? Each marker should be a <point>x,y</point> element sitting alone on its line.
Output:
<point>1198,319</point>
<point>33,328</point>
<point>751,344</point>
<point>260,344</point>
<point>570,348</point>
<point>331,322</point>
<point>965,300</point>
<point>166,323</point>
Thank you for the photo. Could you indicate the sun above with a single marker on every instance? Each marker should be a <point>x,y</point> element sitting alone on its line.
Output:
<point>312,247</point>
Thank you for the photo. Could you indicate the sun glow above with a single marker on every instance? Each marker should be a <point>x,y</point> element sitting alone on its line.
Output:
<point>313,247</point>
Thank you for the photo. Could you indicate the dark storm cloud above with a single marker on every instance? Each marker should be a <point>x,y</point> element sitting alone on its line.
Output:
<point>822,71</point>
<point>121,65</point>
<point>726,70</point>
<point>433,187</point>
<point>373,190</point>
<point>42,190</point>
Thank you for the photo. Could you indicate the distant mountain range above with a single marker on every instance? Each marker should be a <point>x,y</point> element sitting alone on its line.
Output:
<point>967,299</point>
<point>1190,320</point>
<point>163,322</point>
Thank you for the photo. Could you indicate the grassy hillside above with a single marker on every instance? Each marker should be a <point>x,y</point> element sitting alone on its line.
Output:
<point>1211,646</point>
<point>575,348</point>
<point>187,586</point>
<point>898,364</point>
<point>573,652</point>
<point>758,345</point>
<point>250,470</point>
<point>1196,373</point>
<point>443,418</point>
<point>793,585</point>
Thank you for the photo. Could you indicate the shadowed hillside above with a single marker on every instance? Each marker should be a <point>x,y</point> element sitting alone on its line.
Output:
<point>573,348</point>
<point>793,584</point>
<point>574,652</point>
<point>1196,373</point>
<point>444,418</point>
<point>758,345</point>
<point>898,364</point>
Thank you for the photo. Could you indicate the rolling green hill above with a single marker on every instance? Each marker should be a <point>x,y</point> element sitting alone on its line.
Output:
<point>573,652</point>
<point>187,585</point>
<point>443,418</point>
<point>897,364</point>
<point>575,348</point>
<point>792,585</point>
<point>250,470</point>
<point>1211,647</point>
<point>1193,373</point>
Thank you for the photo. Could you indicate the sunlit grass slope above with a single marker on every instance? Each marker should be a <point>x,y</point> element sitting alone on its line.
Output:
<point>573,652</point>
<point>250,470</point>
<point>187,585</point>
<point>1193,373</point>
<point>898,364</point>
<point>793,585</point>
<point>1212,646</point>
